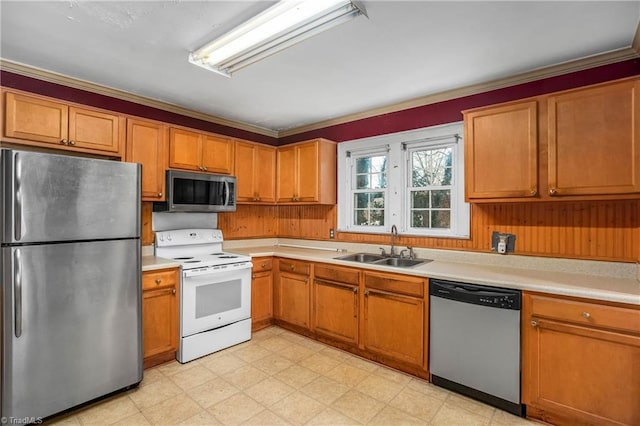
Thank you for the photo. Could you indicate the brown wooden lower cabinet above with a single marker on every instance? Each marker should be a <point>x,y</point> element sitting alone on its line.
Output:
<point>160,315</point>
<point>292,293</point>
<point>261,293</point>
<point>581,361</point>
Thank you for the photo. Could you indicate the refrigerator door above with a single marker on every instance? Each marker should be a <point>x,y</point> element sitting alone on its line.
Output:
<point>49,197</point>
<point>71,324</point>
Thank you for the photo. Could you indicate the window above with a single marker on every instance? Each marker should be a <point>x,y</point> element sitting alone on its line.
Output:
<point>413,180</point>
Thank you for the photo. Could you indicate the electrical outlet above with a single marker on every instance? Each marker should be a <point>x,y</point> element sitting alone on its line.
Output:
<point>332,233</point>
<point>503,243</point>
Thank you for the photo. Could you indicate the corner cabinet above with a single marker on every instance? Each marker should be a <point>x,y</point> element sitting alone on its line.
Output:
<point>189,150</point>
<point>160,315</point>
<point>501,150</point>
<point>147,145</point>
<point>594,140</point>
<point>40,121</point>
<point>306,173</point>
<point>581,361</point>
<point>255,172</point>
<point>261,293</point>
<point>395,318</point>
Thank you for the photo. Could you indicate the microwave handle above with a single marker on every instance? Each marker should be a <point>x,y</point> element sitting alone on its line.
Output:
<point>226,193</point>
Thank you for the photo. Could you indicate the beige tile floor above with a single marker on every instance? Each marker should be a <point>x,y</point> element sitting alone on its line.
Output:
<point>281,378</point>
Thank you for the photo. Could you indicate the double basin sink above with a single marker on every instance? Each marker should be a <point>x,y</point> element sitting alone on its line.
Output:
<point>377,259</point>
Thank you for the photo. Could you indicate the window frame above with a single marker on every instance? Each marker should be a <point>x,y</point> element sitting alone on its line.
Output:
<point>397,202</point>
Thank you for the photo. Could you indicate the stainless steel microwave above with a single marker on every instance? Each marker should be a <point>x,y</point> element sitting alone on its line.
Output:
<point>198,192</point>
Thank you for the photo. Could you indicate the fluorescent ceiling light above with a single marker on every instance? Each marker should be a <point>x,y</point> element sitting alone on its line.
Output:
<point>282,25</point>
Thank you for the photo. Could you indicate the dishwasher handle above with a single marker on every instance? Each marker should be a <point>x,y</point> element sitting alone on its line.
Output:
<point>501,298</point>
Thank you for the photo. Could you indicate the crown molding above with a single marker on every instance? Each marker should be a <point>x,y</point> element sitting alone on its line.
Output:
<point>51,77</point>
<point>534,75</point>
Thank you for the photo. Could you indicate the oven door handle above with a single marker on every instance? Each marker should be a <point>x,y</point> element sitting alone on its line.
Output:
<point>210,271</point>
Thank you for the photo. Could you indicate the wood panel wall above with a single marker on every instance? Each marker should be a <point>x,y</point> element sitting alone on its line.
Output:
<point>597,230</point>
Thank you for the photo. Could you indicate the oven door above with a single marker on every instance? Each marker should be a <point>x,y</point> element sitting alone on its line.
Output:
<point>213,298</point>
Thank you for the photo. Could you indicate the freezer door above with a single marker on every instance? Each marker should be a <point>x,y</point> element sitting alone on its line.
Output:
<point>50,197</point>
<point>71,324</point>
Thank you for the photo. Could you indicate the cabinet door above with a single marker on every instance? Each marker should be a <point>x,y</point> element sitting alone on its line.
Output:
<point>307,158</point>
<point>217,154</point>
<point>286,173</point>
<point>94,130</point>
<point>265,174</point>
<point>594,140</point>
<point>184,149</point>
<point>501,151</point>
<point>246,163</point>
<point>160,321</point>
<point>575,374</point>
<point>293,299</point>
<point>35,119</point>
<point>261,297</point>
<point>394,326</point>
<point>146,144</point>
<point>335,310</point>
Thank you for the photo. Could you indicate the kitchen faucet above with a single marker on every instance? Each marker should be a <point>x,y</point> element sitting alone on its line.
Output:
<point>394,235</point>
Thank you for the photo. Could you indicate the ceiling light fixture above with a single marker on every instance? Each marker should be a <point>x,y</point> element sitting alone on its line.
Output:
<point>282,25</point>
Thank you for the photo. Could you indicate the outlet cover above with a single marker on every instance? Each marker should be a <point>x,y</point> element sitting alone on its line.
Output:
<point>332,233</point>
<point>511,241</point>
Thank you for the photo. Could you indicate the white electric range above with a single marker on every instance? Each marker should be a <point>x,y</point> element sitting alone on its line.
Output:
<point>215,291</point>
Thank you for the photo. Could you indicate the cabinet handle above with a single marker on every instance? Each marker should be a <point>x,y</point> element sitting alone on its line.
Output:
<point>533,192</point>
<point>72,143</point>
<point>204,168</point>
<point>173,291</point>
<point>293,267</point>
<point>159,194</point>
<point>64,142</point>
<point>586,315</point>
<point>366,293</point>
<point>253,277</point>
<point>552,191</point>
<point>534,323</point>
<point>355,302</point>
<point>158,280</point>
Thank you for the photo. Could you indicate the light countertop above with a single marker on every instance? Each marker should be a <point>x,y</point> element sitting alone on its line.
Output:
<point>540,279</point>
<point>152,263</point>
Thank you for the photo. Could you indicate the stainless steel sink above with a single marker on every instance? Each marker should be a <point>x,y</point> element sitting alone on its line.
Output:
<point>402,263</point>
<point>376,259</point>
<point>362,257</point>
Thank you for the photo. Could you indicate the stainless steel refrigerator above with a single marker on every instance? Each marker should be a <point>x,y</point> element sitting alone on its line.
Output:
<point>71,296</point>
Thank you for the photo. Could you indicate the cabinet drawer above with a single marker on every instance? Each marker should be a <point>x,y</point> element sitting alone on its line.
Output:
<point>159,279</point>
<point>586,313</point>
<point>402,284</point>
<point>294,266</point>
<point>262,264</point>
<point>336,273</point>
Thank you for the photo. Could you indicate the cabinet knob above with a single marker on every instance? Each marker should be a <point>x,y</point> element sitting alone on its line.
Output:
<point>534,323</point>
<point>159,194</point>
<point>204,168</point>
<point>533,192</point>
<point>586,315</point>
<point>366,292</point>
<point>253,277</point>
<point>64,142</point>
<point>264,265</point>
<point>355,289</point>
<point>72,143</point>
<point>552,191</point>
<point>293,267</point>
<point>173,291</point>
<point>158,280</point>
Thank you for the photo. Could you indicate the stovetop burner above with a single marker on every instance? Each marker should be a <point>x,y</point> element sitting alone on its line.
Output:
<point>217,254</point>
<point>183,258</point>
<point>192,261</point>
<point>228,256</point>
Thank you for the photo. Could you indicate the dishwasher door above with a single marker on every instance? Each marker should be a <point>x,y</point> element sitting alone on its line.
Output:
<point>474,342</point>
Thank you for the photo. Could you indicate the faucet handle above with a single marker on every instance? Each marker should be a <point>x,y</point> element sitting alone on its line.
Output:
<point>411,253</point>
<point>402,253</point>
<point>383,251</point>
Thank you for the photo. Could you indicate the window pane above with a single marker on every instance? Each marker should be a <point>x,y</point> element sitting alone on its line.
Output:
<point>371,172</point>
<point>369,217</point>
<point>368,200</point>
<point>362,181</point>
<point>441,199</point>
<point>420,199</point>
<point>431,167</point>
<point>441,219</point>
<point>420,219</point>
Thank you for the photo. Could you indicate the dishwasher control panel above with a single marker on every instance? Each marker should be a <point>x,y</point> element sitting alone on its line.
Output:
<point>495,297</point>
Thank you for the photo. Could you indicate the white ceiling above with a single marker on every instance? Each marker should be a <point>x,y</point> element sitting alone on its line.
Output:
<point>404,50</point>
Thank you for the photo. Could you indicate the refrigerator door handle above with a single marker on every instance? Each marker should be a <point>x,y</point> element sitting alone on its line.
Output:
<point>17,293</point>
<point>226,193</point>
<point>17,205</point>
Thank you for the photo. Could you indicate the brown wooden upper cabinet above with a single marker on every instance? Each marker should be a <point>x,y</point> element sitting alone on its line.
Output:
<point>41,121</point>
<point>306,173</point>
<point>502,151</point>
<point>255,173</point>
<point>594,140</point>
<point>147,145</point>
<point>576,144</point>
<point>189,150</point>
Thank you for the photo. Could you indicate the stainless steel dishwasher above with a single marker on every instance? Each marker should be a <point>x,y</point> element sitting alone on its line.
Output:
<point>474,342</point>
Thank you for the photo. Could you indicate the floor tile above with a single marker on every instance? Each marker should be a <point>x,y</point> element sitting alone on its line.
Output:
<point>269,391</point>
<point>296,376</point>
<point>347,374</point>
<point>297,408</point>
<point>235,409</point>
<point>110,411</point>
<point>66,420</point>
<point>502,418</point>
<point>325,390</point>
<point>266,418</point>
<point>295,352</point>
<point>137,419</point>
<point>427,388</point>
<point>149,394</point>
<point>275,343</point>
<point>379,388</point>
<point>172,411</point>
<point>192,377</point>
<point>252,353</point>
<point>358,406</point>
<point>319,363</point>
<point>470,405</point>
<point>203,418</point>
<point>272,364</point>
<point>416,404</point>
<point>223,364</point>
<point>393,375</point>
<point>393,416</point>
<point>212,392</point>
<point>173,367</point>
<point>331,417</point>
<point>245,377</point>
<point>451,415</point>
